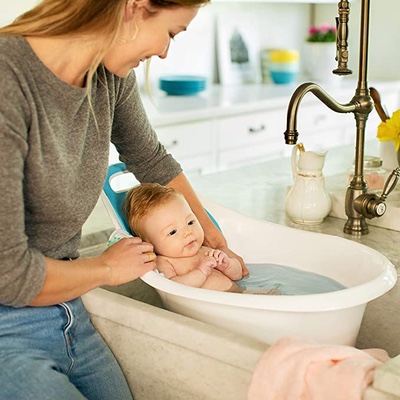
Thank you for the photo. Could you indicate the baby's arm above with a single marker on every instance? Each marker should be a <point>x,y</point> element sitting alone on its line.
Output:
<point>195,278</point>
<point>230,267</point>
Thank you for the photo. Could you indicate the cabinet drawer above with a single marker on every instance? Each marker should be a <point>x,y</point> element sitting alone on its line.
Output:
<point>252,154</point>
<point>187,139</point>
<point>198,165</point>
<point>250,129</point>
<point>319,117</point>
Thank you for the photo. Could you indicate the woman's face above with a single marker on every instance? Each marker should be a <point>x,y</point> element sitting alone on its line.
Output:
<point>146,33</point>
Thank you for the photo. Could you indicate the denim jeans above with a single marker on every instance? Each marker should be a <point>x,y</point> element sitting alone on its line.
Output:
<point>49,353</point>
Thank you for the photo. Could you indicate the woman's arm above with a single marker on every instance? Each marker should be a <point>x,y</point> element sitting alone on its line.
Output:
<point>213,236</point>
<point>122,262</point>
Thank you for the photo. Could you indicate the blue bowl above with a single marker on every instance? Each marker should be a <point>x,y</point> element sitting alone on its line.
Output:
<point>182,85</point>
<point>283,76</point>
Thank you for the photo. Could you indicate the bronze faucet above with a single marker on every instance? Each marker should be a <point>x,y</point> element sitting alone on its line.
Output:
<point>359,204</point>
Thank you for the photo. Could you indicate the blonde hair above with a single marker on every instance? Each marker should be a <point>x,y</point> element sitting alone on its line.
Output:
<point>141,200</point>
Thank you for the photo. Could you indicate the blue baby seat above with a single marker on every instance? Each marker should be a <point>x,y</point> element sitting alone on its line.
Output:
<point>113,198</point>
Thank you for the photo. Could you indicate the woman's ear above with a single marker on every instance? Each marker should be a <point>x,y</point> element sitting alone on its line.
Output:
<point>129,9</point>
<point>133,6</point>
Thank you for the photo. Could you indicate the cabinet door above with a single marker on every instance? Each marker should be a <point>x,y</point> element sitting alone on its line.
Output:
<point>250,129</point>
<point>193,145</point>
<point>321,128</point>
<point>251,138</point>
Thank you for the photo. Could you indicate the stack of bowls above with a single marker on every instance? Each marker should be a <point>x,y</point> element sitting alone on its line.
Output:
<point>182,85</point>
<point>284,65</point>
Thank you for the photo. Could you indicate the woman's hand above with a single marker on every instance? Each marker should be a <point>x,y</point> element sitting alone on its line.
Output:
<point>128,259</point>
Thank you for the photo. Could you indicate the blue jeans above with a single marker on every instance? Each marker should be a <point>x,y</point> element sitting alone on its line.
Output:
<point>49,353</point>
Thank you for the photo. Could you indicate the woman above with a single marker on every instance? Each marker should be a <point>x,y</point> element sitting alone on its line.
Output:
<point>67,89</point>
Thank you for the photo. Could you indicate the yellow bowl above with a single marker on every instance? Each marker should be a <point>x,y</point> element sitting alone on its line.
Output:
<point>281,56</point>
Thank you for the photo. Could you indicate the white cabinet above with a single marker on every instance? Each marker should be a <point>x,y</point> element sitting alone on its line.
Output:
<point>216,137</point>
<point>250,138</point>
<point>192,144</point>
<point>321,128</point>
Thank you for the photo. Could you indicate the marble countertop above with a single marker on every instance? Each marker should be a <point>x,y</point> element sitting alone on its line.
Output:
<point>260,191</point>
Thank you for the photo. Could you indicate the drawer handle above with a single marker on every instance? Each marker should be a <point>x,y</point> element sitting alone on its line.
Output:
<point>261,128</point>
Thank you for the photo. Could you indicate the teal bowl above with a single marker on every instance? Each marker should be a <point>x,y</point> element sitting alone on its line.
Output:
<point>281,77</point>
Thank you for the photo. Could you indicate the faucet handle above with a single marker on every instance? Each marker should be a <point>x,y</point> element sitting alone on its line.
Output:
<point>370,205</point>
<point>390,183</point>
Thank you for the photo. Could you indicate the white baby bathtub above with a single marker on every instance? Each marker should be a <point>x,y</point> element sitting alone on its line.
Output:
<point>327,318</point>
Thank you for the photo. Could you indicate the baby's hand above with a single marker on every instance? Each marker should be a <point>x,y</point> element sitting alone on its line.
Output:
<point>206,265</point>
<point>223,261</point>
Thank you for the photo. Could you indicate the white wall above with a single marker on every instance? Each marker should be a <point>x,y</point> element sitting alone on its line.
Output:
<point>277,25</point>
<point>384,54</point>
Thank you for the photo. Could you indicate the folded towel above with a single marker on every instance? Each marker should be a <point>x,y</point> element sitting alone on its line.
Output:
<point>292,369</point>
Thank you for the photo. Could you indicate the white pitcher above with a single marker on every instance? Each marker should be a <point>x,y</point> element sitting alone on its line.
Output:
<point>307,202</point>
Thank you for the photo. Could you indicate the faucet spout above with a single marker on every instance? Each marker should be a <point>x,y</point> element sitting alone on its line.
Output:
<point>291,133</point>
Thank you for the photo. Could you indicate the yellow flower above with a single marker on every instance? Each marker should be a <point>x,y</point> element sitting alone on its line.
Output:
<point>390,130</point>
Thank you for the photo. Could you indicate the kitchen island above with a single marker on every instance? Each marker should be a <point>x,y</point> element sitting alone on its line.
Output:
<point>146,339</point>
<point>259,190</point>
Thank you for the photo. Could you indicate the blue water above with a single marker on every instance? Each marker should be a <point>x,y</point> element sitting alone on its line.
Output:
<point>287,280</point>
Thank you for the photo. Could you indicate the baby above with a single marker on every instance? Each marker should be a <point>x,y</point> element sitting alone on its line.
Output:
<point>160,215</point>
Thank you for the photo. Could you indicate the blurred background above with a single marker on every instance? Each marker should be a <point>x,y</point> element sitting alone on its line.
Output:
<point>265,24</point>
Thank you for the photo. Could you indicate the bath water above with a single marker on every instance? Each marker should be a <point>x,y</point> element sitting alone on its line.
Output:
<point>287,280</point>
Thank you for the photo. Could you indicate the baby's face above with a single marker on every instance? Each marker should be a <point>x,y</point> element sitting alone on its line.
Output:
<point>173,229</point>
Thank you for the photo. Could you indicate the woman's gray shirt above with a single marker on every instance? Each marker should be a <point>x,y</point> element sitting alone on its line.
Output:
<point>53,160</point>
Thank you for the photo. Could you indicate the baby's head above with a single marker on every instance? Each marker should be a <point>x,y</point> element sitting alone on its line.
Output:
<point>161,216</point>
<point>142,200</point>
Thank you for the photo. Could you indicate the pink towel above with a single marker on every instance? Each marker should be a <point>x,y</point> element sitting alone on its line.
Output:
<point>292,369</point>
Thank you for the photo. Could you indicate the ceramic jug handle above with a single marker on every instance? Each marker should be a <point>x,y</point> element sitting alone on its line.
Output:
<point>294,161</point>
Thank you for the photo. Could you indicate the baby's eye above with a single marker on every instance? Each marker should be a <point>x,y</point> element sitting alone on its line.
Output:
<point>172,232</point>
<point>192,222</point>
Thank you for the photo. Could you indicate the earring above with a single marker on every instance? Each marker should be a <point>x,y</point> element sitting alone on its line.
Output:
<point>131,39</point>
